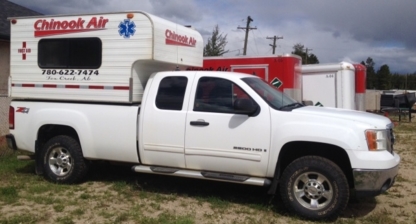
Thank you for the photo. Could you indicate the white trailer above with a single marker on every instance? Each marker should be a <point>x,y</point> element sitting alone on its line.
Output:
<point>340,85</point>
<point>96,57</point>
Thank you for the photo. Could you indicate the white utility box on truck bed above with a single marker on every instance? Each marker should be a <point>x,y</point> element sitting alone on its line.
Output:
<point>100,57</point>
<point>222,126</point>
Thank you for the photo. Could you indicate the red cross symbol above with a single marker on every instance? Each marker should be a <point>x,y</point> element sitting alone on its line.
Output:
<point>23,50</point>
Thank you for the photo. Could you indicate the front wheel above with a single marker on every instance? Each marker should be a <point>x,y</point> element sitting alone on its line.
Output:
<point>314,188</point>
<point>63,161</point>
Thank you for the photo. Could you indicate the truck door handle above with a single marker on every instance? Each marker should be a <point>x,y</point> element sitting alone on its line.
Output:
<point>199,123</point>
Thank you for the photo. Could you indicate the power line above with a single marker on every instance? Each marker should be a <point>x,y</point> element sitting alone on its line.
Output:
<point>255,43</point>
<point>306,58</point>
<point>274,42</point>
<point>247,29</point>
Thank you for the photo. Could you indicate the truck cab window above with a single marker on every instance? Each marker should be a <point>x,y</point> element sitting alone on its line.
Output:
<point>217,95</point>
<point>70,53</point>
<point>171,93</point>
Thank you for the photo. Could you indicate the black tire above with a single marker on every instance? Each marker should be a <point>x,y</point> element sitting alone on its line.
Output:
<point>314,188</point>
<point>63,161</point>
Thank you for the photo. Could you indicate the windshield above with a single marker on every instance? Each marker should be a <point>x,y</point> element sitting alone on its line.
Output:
<point>271,95</point>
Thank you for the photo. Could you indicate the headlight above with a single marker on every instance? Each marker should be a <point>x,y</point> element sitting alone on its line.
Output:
<point>378,140</point>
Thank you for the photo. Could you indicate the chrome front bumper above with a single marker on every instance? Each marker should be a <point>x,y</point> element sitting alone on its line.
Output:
<point>369,183</point>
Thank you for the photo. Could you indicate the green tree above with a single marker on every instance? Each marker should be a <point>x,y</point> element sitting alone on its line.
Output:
<point>411,81</point>
<point>398,81</point>
<point>307,58</point>
<point>383,77</point>
<point>371,74</point>
<point>216,43</point>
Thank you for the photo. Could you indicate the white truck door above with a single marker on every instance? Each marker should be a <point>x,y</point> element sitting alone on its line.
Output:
<point>163,121</point>
<point>218,139</point>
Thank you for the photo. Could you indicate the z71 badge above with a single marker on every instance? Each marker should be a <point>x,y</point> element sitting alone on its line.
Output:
<point>23,110</point>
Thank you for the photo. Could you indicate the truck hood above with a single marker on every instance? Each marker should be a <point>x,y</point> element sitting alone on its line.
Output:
<point>374,120</point>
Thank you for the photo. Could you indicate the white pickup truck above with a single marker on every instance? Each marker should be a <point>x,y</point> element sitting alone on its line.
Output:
<point>105,100</point>
<point>220,126</point>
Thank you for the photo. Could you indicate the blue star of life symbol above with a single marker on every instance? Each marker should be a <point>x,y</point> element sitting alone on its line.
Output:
<point>126,28</point>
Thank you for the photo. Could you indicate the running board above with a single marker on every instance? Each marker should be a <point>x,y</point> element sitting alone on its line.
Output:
<point>225,177</point>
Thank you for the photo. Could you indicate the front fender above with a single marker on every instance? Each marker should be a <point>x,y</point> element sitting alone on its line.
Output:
<point>289,127</point>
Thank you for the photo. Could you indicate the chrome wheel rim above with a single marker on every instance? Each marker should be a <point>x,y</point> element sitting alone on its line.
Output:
<point>60,161</point>
<point>313,190</point>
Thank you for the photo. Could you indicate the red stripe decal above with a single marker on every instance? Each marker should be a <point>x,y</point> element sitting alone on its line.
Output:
<point>95,87</point>
<point>72,86</point>
<point>49,86</point>
<point>121,87</point>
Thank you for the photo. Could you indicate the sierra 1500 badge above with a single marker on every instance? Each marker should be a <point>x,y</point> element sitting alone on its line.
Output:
<point>249,149</point>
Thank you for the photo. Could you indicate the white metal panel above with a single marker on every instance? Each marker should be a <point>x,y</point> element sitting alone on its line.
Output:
<point>360,101</point>
<point>320,88</point>
<point>330,67</point>
<point>347,78</point>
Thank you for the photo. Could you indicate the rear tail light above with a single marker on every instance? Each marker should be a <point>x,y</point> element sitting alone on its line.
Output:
<point>11,118</point>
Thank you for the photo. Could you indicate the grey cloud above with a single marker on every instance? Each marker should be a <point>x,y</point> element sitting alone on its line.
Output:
<point>184,11</point>
<point>49,7</point>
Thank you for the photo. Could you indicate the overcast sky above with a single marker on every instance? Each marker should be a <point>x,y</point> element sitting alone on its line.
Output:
<point>341,30</point>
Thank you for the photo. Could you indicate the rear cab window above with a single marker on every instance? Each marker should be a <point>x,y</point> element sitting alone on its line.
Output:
<point>171,93</point>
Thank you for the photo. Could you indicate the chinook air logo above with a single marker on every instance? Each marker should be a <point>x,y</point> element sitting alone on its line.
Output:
<point>126,28</point>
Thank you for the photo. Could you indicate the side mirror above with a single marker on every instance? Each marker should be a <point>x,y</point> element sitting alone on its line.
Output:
<point>246,106</point>
<point>307,102</point>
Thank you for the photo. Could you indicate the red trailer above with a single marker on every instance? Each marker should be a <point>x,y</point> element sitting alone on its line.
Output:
<point>282,71</point>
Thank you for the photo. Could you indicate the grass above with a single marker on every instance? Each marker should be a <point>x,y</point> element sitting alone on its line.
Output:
<point>114,194</point>
<point>9,194</point>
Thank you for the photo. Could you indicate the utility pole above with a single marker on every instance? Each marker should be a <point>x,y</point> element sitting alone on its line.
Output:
<point>306,58</point>
<point>247,28</point>
<point>274,42</point>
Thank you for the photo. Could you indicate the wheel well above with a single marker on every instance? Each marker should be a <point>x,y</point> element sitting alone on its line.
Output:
<point>49,131</point>
<point>294,150</point>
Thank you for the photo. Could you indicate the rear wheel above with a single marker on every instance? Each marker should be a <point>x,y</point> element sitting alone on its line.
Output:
<point>314,187</point>
<point>63,161</point>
